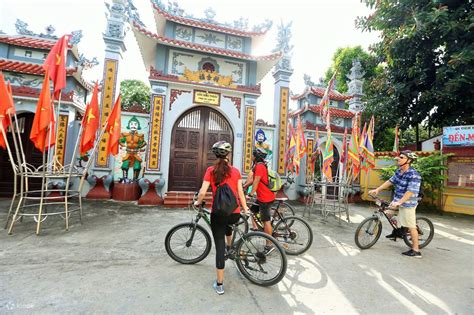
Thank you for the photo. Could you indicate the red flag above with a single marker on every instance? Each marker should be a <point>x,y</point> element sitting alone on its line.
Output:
<point>6,107</point>
<point>113,128</point>
<point>90,123</point>
<point>56,63</point>
<point>43,122</point>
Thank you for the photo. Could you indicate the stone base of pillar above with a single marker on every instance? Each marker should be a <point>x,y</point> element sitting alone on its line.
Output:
<point>150,195</point>
<point>101,189</point>
<point>126,192</point>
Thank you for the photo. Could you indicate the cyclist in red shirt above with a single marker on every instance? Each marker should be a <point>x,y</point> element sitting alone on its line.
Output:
<point>265,196</point>
<point>224,173</point>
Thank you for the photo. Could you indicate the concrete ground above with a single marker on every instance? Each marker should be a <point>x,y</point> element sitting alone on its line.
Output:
<point>115,262</point>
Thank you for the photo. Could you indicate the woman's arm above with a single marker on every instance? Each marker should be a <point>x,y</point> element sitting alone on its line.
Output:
<point>249,180</point>
<point>243,201</point>
<point>255,183</point>
<point>202,193</point>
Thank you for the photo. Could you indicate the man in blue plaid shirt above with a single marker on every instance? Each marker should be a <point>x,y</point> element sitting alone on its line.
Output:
<point>407,183</point>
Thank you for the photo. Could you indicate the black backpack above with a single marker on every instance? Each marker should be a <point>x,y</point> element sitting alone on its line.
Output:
<point>224,201</point>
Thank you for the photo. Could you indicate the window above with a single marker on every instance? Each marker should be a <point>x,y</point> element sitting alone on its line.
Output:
<point>28,53</point>
<point>208,67</point>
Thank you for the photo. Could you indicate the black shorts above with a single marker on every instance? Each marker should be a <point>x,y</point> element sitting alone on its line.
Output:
<point>264,209</point>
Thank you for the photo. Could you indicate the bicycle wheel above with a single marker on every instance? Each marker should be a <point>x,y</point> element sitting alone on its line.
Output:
<point>186,244</point>
<point>295,238</point>
<point>242,224</point>
<point>257,265</point>
<point>425,232</point>
<point>368,232</point>
<point>285,210</point>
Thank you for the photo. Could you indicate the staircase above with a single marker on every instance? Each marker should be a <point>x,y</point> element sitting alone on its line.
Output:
<point>182,199</point>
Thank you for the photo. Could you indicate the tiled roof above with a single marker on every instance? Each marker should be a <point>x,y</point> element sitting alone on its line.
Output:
<point>25,67</point>
<point>208,49</point>
<point>209,26</point>
<point>37,69</point>
<point>319,91</point>
<point>334,112</point>
<point>26,41</point>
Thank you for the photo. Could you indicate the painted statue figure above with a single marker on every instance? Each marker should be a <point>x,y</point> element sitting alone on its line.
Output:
<point>260,142</point>
<point>134,143</point>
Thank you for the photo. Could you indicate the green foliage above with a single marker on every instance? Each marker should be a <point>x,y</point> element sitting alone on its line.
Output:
<point>427,53</point>
<point>432,169</point>
<point>342,60</point>
<point>135,92</point>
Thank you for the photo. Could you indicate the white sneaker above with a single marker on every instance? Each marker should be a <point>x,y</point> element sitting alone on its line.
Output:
<point>219,288</point>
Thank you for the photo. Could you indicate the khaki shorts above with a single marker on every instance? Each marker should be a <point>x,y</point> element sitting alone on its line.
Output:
<point>406,216</point>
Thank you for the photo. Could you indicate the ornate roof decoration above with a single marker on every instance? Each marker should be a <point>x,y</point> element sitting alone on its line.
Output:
<point>334,112</point>
<point>319,92</point>
<point>175,13</point>
<point>283,45</point>
<point>85,63</point>
<point>22,29</point>
<point>132,13</point>
<point>207,49</point>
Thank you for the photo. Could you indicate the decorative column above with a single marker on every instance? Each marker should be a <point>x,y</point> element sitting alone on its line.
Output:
<point>282,74</point>
<point>355,86</point>
<point>152,182</point>
<point>114,48</point>
<point>248,132</point>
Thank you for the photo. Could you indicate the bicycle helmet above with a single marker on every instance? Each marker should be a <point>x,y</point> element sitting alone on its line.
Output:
<point>412,156</point>
<point>221,149</point>
<point>259,153</point>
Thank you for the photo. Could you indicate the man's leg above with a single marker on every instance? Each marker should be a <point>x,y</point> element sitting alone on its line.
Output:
<point>414,239</point>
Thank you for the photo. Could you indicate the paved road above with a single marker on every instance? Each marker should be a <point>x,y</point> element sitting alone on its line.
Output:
<point>116,263</point>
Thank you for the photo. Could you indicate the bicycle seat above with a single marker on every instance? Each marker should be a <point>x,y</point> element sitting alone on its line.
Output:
<point>281,199</point>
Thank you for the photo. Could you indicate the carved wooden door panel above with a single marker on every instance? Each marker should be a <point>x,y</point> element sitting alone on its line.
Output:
<point>33,157</point>
<point>191,141</point>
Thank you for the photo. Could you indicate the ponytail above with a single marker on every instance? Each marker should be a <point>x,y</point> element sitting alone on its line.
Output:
<point>221,171</point>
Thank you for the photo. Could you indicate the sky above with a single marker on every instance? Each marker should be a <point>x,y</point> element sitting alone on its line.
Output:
<point>319,27</point>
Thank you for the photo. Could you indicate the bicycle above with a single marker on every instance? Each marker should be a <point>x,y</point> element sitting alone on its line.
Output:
<point>263,268</point>
<point>293,233</point>
<point>369,230</point>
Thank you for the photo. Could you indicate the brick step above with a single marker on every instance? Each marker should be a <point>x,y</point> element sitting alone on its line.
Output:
<point>182,199</point>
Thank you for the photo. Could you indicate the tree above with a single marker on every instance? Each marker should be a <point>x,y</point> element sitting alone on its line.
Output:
<point>342,61</point>
<point>427,50</point>
<point>135,92</point>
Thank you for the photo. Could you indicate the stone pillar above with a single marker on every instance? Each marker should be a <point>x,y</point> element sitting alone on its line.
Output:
<point>355,87</point>
<point>114,48</point>
<point>282,74</point>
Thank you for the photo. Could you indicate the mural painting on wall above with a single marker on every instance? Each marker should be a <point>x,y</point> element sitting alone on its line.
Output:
<point>132,149</point>
<point>263,140</point>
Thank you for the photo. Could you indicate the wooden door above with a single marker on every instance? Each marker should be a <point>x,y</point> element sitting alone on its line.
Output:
<point>33,157</point>
<point>192,138</point>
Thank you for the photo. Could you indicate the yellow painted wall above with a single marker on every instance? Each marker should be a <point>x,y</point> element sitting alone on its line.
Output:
<point>372,180</point>
<point>457,200</point>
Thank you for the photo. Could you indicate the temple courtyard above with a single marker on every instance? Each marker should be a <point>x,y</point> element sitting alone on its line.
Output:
<point>115,262</point>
